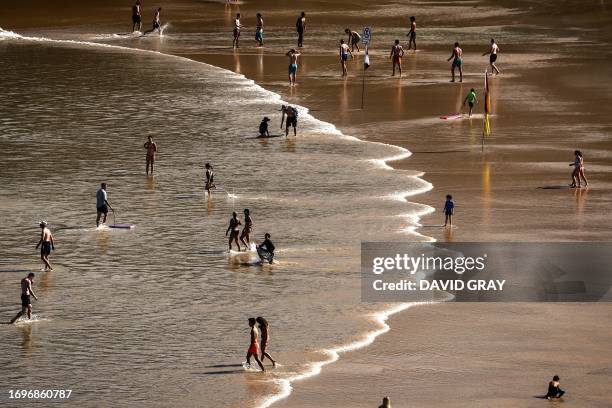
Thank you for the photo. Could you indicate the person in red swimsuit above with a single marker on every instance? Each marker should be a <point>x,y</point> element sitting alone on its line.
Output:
<point>254,346</point>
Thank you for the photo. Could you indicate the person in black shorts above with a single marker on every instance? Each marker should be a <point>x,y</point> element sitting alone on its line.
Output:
<point>300,26</point>
<point>291,114</point>
<point>136,17</point>
<point>26,302</point>
<point>102,204</point>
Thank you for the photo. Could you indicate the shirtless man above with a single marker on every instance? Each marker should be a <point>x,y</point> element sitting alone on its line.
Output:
<point>291,113</point>
<point>412,33</point>
<point>300,27</point>
<point>136,17</point>
<point>237,27</point>
<point>293,56</point>
<point>259,30</point>
<point>353,38</point>
<point>26,303</point>
<point>210,179</point>
<point>46,244</point>
<point>344,53</point>
<point>246,231</point>
<point>397,52</point>
<point>233,230</point>
<point>156,23</point>
<point>151,149</point>
<point>493,50</point>
<point>102,204</point>
<point>457,62</point>
<point>253,350</point>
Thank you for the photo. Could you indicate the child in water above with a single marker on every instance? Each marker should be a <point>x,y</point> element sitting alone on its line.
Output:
<point>449,209</point>
<point>471,100</point>
<point>263,127</point>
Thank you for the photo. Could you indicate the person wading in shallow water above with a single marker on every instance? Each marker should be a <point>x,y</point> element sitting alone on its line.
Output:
<point>26,302</point>
<point>264,327</point>
<point>253,350</point>
<point>46,244</point>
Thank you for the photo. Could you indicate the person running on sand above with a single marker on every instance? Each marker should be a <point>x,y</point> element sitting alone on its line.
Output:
<point>156,23</point>
<point>493,50</point>
<point>102,204</point>
<point>412,33</point>
<point>293,56</point>
<point>26,302</point>
<point>246,231</point>
<point>578,172</point>
<point>266,250</point>
<point>386,403</point>
<point>554,390</point>
<point>237,27</point>
<point>259,30</point>
<point>457,62</point>
<point>292,115</point>
<point>300,27</point>
<point>46,244</point>
<point>353,39</point>
<point>232,229</point>
<point>263,127</point>
<point>151,149</point>
<point>344,54</point>
<point>210,179</point>
<point>449,210</point>
<point>264,327</point>
<point>397,52</point>
<point>136,17</point>
<point>471,100</point>
<point>254,346</point>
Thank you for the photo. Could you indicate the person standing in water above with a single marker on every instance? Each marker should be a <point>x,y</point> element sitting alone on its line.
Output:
<point>102,204</point>
<point>292,115</point>
<point>457,62</point>
<point>397,52</point>
<point>353,38</point>
<point>156,23</point>
<point>471,100</point>
<point>264,328</point>
<point>449,210</point>
<point>253,350</point>
<point>300,27</point>
<point>136,17</point>
<point>293,56</point>
<point>232,229</point>
<point>259,30</point>
<point>554,390</point>
<point>237,27</point>
<point>578,172</point>
<point>26,302</point>
<point>46,244</point>
<point>344,54</point>
<point>210,179</point>
<point>266,250</point>
<point>151,148</point>
<point>263,127</point>
<point>246,231</point>
<point>412,33</point>
<point>493,50</point>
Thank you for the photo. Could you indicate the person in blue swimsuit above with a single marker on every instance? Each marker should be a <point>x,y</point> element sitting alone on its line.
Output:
<point>449,210</point>
<point>457,62</point>
<point>293,55</point>
<point>344,55</point>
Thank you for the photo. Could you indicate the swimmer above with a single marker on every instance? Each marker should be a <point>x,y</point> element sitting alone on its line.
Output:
<point>292,114</point>
<point>246,231</point>
<point>46,244</point>
<point>471,100</point>
<point>151,149</point>
<point>102,204</point>
<point>210,179</point>
<point>254,346</point>
<point>26,302</point>
<point>412,33</point>
<point>457,62</point>
<point>263,127</point>
<point>232,229</point>
<point>353,39</point>
<point>493,50</point>
<point>449,210</point>
<point>293,56</point>
<point>344,53</point>
<point>266,250</point>
<point>264,327</point>
<point>136,17</point>
<point>397,52</point>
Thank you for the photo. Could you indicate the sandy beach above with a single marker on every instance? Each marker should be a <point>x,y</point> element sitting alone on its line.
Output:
<point>552,97</point>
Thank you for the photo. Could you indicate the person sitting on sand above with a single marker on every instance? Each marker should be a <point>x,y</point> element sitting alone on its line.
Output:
<point>210,179</point>
<point>263,127</point>
<point>449,210</point>
<point>253,350</point>
<point>264,327</point>
<point>232,229</point>
<point>578,172</point>
<point>386,403</point>
<point>471,100</point>
<point>457,62</point>
<point>266,250</point>
<point>553,389</point>
<point>156,23</point>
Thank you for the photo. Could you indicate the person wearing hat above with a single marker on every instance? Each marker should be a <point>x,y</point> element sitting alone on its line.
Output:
<point>46,244</point>
<point>263,127</point>
<point>554,391</point>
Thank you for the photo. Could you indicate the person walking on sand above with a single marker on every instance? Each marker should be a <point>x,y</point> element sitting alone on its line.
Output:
<point>237,27</point>
<point>292,115</point>
<point>397,52</point>
<point>210,179</point>
<point>254,346</point>
<point>259,30</point>
<point>136,17</point>
<point>300,27</point>
<point>245,237</point>
<point>554,390</point>
<point>26,302</point>
<point>46,244</point>
<point>293,66</point>
<point>344,54</point>
<point>386,403</point>
<point>578,172</point>
<point>232,229</point>
<point>266,250</point>
<point>449,210</point>
<point>264,328</point>
<point>151,148</point>
<point>156,23</point>
<point>457,62</point>
<point>353,39</point>
<point>471,100</point>
<point>412,33</point>
<point>102,204</point>
<point>493,50</point>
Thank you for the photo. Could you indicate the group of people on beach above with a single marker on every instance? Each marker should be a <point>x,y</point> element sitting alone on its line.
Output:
<point>257,349</point>
<point>137,19</point>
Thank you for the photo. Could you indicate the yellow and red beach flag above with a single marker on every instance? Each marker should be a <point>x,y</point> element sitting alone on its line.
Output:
<point>486,131</point>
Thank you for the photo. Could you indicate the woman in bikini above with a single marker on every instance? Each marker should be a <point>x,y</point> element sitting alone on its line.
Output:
<point>246,231</point>
<point>264,327</point>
